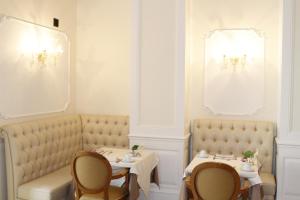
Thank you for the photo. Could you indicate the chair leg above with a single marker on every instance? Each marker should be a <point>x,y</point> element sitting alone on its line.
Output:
<point>189,194</point>
<point>77,193</point>
<point>245,194</point>
<point>127,177</point>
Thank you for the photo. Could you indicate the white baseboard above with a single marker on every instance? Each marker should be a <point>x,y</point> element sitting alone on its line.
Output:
<point>288,175</point>
<point>162,194</point>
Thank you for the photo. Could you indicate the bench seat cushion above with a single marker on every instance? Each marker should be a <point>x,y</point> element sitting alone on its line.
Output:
<point>268,184</point>
<point>53,186</point>
<point>114,193</point>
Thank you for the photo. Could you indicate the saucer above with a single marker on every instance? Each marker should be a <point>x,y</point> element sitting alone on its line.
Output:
<point>203,156</point>
<point>247,170</point>
<point>128,161</point>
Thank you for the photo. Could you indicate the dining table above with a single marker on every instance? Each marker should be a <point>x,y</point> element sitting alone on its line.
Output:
<point>142,168</point>
<point>252,176</point>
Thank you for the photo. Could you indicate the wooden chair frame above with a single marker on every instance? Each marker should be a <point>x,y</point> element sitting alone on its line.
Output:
<point>237,188</point>
<point>80,189</point>
<point>122,173</point>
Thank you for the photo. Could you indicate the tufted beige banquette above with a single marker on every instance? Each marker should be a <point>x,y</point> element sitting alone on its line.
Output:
<point>235,137</point>
<point>38,153</point>
<point>106,130</point>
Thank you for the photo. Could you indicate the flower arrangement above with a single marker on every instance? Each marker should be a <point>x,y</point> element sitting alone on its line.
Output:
<point>248,156</point>
<point>134,148</point>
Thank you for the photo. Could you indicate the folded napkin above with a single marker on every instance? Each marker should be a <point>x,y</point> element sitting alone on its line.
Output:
<point>226,157</point>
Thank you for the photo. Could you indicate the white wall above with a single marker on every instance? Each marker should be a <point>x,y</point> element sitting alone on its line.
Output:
<point>157,115</point>
<point>41,12</point>
<point>207,15</point>
<point>288,140</point>
<point>103,55</point>
<point>296,73</point>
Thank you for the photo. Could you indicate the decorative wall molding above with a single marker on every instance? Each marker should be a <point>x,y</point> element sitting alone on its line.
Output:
<point>159,137</point>
<point>177,125</point>
<point>164,135</point>
<point>287,78</point>
<point>288,164</point>
<point>234,74</point>
<point>288,141</point>
<point>32,88</point>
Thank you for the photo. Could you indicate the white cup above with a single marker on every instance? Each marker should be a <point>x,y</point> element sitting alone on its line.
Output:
<point>202,154</point>
<point>247,166</point>
<point>127,158</point>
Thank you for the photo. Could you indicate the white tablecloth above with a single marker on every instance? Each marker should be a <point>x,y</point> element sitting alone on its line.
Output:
<point>252,176</point>
<point>142,165</point>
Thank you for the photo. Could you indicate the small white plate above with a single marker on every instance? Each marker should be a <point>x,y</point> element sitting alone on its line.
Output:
<point>247,170</point>
<point>203,156</point>
<point>126,161</point>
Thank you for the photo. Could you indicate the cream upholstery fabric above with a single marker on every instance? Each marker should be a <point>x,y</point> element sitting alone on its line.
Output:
<point>269,185</point>
<point>55,185</point>
<point>217,184</point>
<point>105,130</point>
<point>37,148</point>
<point>234,137</point>
<point>92,173</point>
<point>40,147</point>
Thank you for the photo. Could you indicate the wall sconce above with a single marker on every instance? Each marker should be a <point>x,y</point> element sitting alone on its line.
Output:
<point>42,56</point>
<point>234,71</point>
<point>233,49</point>
<point>235,61</point>
<point>41,48</point>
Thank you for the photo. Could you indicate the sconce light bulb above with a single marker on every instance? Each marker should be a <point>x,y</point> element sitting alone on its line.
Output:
<point>235,61</point>
<point>42,57</point>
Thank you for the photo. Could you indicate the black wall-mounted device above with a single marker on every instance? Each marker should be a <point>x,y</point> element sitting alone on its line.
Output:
<point>55,22</point>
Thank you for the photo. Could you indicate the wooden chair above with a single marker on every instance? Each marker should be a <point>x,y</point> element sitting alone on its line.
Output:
<point>92,174</point>
<point>215,181</point>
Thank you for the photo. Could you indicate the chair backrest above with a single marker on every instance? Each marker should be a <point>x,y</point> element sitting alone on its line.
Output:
<point>36,148</point>
<point>92,173</point>
<point>215,181</point>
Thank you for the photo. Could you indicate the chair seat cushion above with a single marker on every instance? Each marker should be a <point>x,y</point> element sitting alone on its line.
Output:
<point>52,186</point>
<point>115,193</point>
<point>268,184</point>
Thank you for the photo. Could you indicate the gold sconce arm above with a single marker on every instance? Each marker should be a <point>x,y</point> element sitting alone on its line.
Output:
<point>42,57</point>
<point>235,61</point>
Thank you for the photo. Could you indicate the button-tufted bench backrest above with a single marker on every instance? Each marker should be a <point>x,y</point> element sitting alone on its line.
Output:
<point>234,137</point>
<point>39,147</point>
<point>105,130</point>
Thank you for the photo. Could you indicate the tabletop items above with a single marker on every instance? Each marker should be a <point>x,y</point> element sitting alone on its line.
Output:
<point>245,169</point>
<point>141,165</point>
<point>215,180</point>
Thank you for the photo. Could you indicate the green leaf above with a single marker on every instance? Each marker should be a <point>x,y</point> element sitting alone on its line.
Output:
<point>248,154</point>
<point>134,147</point>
